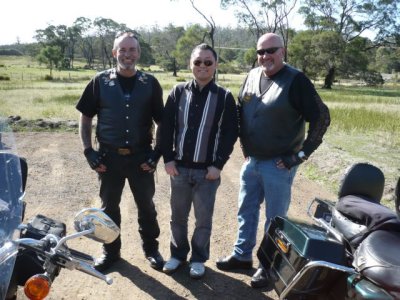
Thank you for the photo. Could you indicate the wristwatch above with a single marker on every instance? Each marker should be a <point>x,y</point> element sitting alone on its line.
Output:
<point>302,155</point>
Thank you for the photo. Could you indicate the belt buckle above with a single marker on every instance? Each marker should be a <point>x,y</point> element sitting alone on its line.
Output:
<point>123,151</point>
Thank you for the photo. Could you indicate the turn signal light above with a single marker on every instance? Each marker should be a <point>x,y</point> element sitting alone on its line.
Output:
<point>37,287</point>
<point>282,245</point>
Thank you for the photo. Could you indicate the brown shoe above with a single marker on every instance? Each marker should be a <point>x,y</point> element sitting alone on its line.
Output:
<point>232,263</point>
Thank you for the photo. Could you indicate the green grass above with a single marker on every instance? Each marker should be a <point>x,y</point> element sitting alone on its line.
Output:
<point>364,120</point>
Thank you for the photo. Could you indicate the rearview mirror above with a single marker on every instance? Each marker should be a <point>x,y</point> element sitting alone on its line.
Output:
<point>104,229</point>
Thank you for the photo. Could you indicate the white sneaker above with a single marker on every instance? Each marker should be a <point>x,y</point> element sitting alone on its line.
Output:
<point>197,270</point>
<point>172,265</point>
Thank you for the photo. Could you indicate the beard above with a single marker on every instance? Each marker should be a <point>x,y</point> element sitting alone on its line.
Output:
<point>126,67</point>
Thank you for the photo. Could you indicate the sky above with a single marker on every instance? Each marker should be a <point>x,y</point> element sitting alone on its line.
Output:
<point>20,19</point>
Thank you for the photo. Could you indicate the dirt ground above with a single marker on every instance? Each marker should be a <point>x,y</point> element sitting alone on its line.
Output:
<point>60,184</point>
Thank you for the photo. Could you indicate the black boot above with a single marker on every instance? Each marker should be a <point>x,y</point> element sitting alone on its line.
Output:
<point>261,279</point>
<point>156,260</point>
<point>106,261</point>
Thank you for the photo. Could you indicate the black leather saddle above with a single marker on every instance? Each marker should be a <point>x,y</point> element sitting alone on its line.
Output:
<point>378,259</point>
<point>372,230</point>
<point>358,211</point>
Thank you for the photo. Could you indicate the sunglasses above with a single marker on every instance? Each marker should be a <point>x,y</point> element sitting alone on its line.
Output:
<point>207,63</point>
<point>261,52</point>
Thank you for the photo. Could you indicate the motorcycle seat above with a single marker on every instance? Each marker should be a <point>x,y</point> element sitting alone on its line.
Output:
<point>356,218</point>
<point>364,180</point>
<point>350,229</point>
<point>378,259</point>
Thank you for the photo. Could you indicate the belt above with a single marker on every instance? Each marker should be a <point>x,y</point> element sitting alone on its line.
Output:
<point>119,150</point>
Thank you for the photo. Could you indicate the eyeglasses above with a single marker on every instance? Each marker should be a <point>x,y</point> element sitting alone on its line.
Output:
<point>207,63</point>
<point>272,50</point>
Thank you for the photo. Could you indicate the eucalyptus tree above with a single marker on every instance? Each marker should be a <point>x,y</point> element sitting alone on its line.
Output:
<point>86,39</point>
<point>51,56</point>
<point>193,36</point>
<point>209,20</point>
<point>262,16</point>
<point>73,36</point>
<point>300,53</point>
<point>56,37</point>
<point>106,30</point>
<point>164,44</point>
<point>351,19</point>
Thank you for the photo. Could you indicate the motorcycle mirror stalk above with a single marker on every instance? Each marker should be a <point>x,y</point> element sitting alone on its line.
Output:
<point>90,222</point>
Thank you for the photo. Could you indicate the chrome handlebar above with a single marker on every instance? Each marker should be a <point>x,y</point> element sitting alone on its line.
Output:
<point>56,252</point>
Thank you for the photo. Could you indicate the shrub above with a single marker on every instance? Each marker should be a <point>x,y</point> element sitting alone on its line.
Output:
<point>48,77</point>
<point>3,77</point>
<point>372,78</point>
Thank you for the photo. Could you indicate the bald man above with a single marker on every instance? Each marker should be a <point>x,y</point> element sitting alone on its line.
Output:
<point>275,102</point>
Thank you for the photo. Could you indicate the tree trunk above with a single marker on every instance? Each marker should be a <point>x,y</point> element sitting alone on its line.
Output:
<point>329,78</point>
<point>175,68</point>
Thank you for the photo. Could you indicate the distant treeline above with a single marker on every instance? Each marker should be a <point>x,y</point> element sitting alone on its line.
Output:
<point>12,52</point>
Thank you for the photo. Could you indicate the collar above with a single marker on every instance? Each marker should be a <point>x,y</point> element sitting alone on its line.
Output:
<point>194,87</point>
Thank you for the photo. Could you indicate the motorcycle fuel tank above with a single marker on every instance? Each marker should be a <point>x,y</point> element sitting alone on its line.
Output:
<point>289,245</point>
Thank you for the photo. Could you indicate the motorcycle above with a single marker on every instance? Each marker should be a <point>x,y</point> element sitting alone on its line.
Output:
<point>32,254</point>
<point>348,251</point>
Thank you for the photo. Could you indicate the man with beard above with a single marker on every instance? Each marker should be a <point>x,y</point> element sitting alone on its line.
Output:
<point>127,103</point>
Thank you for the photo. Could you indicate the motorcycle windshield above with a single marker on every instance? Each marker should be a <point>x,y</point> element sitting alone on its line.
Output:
<point>11,205</point>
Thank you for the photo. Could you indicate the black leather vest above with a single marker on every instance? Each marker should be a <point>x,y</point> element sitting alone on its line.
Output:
<point>269,124</point>
<point>125,120</point>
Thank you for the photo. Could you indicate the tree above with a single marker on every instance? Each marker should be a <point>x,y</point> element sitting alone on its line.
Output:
<point>51,56</point>
<point>86,39</point>
<point>164,44</point>
<point>327,49</point>
<point>350,19</point>
<point>193,36</point>
<point>53,42</point>
<point>106,30</point>
<point>387,59</point>
<point>262,16</point>
<point>300,53</point>
<point>210,22</point>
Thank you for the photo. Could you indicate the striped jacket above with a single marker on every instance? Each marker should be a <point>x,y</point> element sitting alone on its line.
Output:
<point>199,128</point>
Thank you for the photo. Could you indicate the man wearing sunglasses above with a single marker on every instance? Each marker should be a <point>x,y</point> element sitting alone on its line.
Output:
<point>199,131</point>
<point>275,102</point>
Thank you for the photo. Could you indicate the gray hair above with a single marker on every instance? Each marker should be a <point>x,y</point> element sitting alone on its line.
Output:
<point>126,34</point>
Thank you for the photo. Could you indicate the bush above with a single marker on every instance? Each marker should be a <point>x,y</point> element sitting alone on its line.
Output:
<point>228,68</point>
<point>372,78</point>
<point>3,77</point>
<point>48,77</point>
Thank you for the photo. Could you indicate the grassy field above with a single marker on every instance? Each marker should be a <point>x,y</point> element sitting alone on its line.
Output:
<point>365,121</point>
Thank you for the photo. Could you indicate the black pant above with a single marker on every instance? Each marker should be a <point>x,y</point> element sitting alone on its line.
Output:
<point>112,182</point>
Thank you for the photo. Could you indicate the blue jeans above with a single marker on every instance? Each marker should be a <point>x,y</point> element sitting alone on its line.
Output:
<point>260,180</point>
<point>190,186</point>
